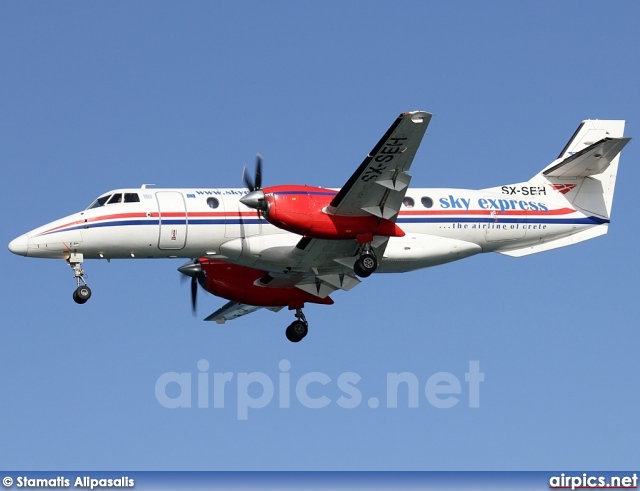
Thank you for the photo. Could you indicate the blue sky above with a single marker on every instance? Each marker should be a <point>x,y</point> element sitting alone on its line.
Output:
<point>103,95</point>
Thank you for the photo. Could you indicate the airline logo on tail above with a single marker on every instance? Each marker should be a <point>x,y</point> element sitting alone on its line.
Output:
<point>563,188</point>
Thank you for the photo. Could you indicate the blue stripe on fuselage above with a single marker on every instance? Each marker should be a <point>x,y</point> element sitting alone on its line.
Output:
<point>555,221</point>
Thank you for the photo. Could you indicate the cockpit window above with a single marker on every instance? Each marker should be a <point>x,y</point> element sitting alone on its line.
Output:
<point>131,198</point>
<point>99,202</point>
<point>110,199</point>
<point>115,198</point>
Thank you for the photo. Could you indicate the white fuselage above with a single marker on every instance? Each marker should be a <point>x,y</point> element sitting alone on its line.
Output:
<point>441,225</point>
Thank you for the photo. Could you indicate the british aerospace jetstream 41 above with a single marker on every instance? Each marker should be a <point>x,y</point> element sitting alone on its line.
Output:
<point>284,246</point>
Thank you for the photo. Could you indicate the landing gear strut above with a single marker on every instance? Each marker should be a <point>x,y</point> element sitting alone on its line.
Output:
<point>298,329</point>
<point>367,263</point>
<point>82,293</point>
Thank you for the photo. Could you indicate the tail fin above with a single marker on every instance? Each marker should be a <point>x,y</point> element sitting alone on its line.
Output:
<point>586,169</point>
<point>584,174</point>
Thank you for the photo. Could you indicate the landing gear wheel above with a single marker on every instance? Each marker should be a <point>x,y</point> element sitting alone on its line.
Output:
<point>296,331</point>
<point>365,265</point>
<point>82,294</point>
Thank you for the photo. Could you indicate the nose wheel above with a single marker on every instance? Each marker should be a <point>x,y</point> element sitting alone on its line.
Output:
<point>298,329</point>
<point>82,293</point>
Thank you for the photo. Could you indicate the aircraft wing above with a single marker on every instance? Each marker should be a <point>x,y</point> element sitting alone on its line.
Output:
<point>376,188</point>
<point>233,310</point>
<point>379,184</point>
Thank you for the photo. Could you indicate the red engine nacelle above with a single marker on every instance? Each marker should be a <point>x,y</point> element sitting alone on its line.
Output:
<point>300,209</point>
<point>240,284</point>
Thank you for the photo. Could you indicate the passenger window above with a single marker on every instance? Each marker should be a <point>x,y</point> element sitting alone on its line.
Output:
<point>99,202</point>
<point>116,198</point>
<point>427,202</point>
<point>131,198</point>
<point>408,202</point>
<point>213,203</point>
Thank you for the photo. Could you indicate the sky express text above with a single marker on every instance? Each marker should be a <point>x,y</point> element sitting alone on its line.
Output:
<point>454,203</point>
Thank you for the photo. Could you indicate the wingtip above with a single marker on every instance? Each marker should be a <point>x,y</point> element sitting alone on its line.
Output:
<point>417,116</point>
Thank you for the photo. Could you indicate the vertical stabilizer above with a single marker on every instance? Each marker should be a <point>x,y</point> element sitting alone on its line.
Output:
<point>585,171</point>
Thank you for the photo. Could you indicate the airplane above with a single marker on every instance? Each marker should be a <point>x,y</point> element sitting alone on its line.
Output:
<point>288,245</point>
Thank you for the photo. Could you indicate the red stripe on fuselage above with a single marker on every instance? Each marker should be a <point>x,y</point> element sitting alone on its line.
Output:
<point>222,214</point>
<point>120,216</point>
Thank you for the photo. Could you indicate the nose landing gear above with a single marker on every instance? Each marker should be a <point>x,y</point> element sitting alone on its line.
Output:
<point>82,293</point>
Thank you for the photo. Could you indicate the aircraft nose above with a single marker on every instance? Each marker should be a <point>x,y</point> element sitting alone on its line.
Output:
<point>19,245</point>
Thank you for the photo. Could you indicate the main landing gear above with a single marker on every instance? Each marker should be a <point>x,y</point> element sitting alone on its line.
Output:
<point>298,329</point>
<point>83,292</point>
<point>367,263</point>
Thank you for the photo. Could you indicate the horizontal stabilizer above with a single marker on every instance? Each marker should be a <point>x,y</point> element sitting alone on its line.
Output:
<point>590,161</point>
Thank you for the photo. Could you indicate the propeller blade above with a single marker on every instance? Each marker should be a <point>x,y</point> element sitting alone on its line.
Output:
<point>194,294</point>
<point>247,180</point>
<point>193,269</point>
<point>258,171</point>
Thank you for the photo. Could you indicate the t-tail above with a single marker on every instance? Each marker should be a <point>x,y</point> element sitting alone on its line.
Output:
<point>584,177</point>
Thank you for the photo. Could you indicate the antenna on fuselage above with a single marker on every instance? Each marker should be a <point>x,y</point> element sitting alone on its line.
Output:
<point>144,186</point>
